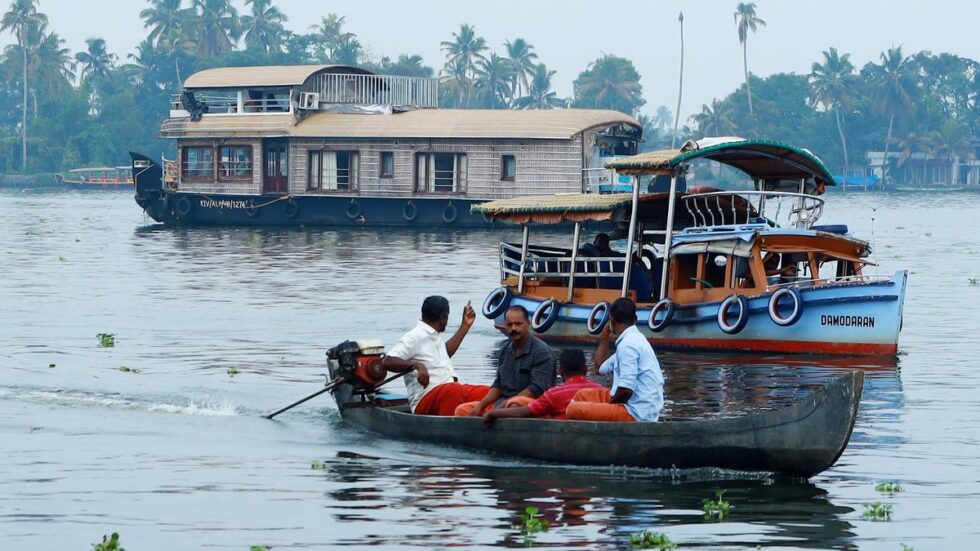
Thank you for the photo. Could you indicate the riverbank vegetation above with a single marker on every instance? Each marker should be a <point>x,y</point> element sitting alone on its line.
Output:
<point>61,109</point>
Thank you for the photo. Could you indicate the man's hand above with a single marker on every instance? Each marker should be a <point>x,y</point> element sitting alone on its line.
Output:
<point>469,315</point>
<point>476,411</point>
<point>490,417</point>
<point>421,374</point>
<point>606,334</point>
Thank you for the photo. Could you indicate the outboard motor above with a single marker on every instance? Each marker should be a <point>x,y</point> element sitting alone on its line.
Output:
<point>358,363</point>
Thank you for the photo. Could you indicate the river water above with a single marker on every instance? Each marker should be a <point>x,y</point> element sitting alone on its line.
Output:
<point>216,327</point>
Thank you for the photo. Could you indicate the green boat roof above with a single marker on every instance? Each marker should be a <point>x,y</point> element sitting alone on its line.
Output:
<point>760,159</point>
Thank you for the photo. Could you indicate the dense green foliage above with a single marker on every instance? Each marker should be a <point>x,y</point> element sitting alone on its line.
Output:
<point>89,108</point>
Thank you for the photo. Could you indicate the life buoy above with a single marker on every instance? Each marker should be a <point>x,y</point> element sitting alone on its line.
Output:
<point>797,305</point>
<point>410,211</point>
<point>668,307</point>
<point>183,206</point>
<point>497,302</point>
<point>251,211</point>
<point>449,214</point>
<point>743,314</point>
<point>545,316</point>
<point>353,209</point>
<point>292,209</point>
<point>598,318</point>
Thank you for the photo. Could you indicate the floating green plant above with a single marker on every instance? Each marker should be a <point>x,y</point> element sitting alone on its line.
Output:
<point>974,281</point>
<point>891,487</point>
<point>715,509</point>
<point>318,465</point>
<point>61,259</point>
<point>651,540</point>
<point>36,428</point>
<point>907,548</point>
<point>109,543</point>
<point>259,548</point>
<point>531,525</point>
<point>50,366</point>
<point>232,372</point>
<point>125,369</point>
<point>106,340</point>
<point>877,511</point>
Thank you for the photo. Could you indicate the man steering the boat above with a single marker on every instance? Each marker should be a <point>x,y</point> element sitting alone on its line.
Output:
<point>430,379</point>
<point>525,368</point>
<point>637,392</point>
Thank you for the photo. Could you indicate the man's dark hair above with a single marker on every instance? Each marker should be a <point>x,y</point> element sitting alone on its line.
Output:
<point>522,310</point>
<point>623,310</point>
<point>434,308</point>
<point>572,360</point>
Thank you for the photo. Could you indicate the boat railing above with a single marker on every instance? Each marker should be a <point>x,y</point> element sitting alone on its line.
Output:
<point>545,263</point>
<point>218,104</point>
<point>377,89</point>
<point>778,208</point>
<point>807,282</point>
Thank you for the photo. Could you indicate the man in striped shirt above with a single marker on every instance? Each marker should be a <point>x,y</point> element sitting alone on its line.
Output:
<point>552,403</point>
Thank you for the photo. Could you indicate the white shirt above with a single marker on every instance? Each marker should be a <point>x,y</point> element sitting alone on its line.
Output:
<point>635,366</point>
<point>423,344</point>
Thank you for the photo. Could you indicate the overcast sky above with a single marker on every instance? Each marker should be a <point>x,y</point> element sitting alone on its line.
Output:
<point>568,34</point>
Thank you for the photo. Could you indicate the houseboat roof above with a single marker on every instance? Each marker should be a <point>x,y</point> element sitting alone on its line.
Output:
<point>760,159</point>
<point>420,123</point>
<point>273,75</point>
<point>568,207</point>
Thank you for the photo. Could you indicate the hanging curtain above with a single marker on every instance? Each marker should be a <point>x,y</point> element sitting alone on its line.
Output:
<point>328,176</point>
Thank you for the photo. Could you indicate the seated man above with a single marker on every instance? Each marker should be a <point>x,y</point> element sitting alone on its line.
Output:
<point>552,404</point>
<point>638,384</point>
<point>431,380</point>
<point>525,368</point>
<point>771,263</point>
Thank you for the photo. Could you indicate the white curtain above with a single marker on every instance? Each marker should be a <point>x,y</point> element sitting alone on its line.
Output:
<point>328,174</point>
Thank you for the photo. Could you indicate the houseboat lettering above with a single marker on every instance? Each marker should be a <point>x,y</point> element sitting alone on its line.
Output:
<point>848,321</point>
<point>223,204</point>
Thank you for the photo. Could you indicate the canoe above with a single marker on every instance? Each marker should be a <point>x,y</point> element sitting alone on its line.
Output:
<point>802,439</point>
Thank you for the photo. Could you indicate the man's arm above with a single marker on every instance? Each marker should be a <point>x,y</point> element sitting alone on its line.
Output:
<point>629,367</point>
<point>495,414</point>
<point>398,365</point>
<point>602,352</point>
<point>490,398</point>
<point>469,316</point>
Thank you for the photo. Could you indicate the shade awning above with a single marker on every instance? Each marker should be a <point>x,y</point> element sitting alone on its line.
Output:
<point>570,207</point>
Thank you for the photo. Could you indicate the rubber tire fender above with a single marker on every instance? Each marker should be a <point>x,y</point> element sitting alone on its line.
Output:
<point>658,326</point>
<point>598,318</point>
<point>353,209</point>
<point>251,211</point>
<point>497,302</point>
<point>410,211</point>
<point>183,206</point>
<point>545,315</point>
<point>774,306</point>
<point>743,314</point>
<point>292,209</point>
<point>449,213</point>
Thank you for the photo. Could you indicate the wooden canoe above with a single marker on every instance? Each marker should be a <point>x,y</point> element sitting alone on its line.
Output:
<point>802,439</point>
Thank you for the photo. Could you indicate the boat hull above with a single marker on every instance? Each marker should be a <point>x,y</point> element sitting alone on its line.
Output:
<point>803,439</point>
<point>859,318</point>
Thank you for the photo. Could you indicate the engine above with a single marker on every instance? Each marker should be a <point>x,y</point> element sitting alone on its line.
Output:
<point>358,362</point>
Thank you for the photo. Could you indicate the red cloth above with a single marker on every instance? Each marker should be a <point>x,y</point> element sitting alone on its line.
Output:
<point>554,401</point>
<point>443,399</point>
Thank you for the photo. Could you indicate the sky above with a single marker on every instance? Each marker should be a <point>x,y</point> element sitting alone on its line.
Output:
<point>568,34</point>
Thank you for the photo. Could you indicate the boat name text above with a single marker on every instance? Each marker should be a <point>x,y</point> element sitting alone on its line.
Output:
<point>848,321</point>
<point>223,204</point>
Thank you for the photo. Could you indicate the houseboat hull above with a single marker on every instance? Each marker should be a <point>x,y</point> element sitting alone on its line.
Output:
<point>840,319</point>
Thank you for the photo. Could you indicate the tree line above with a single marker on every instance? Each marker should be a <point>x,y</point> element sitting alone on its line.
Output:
<point>60,110</point>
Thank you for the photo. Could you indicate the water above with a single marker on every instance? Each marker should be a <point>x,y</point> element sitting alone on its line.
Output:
<point>177,456</point>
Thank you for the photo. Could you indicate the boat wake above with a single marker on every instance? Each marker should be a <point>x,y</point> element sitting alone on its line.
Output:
<point>75,398</point>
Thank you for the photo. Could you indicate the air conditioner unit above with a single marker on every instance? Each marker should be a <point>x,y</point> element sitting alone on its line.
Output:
<point>309,100</point>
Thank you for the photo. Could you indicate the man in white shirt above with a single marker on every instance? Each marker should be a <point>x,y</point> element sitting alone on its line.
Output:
<point>430,378</point>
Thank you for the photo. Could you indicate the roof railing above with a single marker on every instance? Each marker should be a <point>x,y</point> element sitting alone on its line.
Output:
<point>377,90</point>
<point>726,208</point>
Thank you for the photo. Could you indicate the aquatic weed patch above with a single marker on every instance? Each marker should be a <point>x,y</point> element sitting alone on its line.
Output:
<point>890,487</point>
<point>232,372</point>
<point>877,511</point>
<point>106,340</point>
<point>974,281</point>
<point>716,509</point>
<point>651,540</point>
<point>109,543</point>
<point>531,525</point>
<point>125,369</point>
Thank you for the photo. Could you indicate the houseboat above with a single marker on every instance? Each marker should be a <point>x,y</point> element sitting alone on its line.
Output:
<point>341,146</point>
<point>709,269</point>
<point>113,178</point>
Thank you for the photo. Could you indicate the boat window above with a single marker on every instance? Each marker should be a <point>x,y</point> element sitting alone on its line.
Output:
<point>687,271</point>
<point>387,164</point>
<point>235,162</point>
<point>440,172</point>
<point>714,270</point>
<point>508,167</point>
<point>197,162</point>
<point>333,170</point>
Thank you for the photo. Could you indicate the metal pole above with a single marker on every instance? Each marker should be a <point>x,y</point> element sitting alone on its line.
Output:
<point>668,235</point>
<point>329,386</point>
<point>571,270</point>
<point>520,277</point>
<point>631,237</point>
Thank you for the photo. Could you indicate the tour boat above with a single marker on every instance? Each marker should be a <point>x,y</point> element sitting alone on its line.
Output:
<point>341,146</point>
<point>113,178</point>
<point>743,271</point>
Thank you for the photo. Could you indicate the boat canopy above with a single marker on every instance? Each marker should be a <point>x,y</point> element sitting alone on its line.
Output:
<point>275,75</point>
<point>568,207</point>
<point>760,159</point>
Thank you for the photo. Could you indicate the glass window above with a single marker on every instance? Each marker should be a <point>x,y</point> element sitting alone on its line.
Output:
<point>234,162</point>
<point>198,162</point>
<point>440,172</point>
<point>508,167</point>
<point>387,164</point>
<point>333,170</point>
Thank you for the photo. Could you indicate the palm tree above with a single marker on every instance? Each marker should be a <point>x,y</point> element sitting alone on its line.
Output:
<point>22,17</point>
<point>610,82</point>
<point>540,95</point>
<point>407,66</point>
<point>264,29</point>
<point>494,76</point>
<point>951,142</point>
<point>52,64</point>
<point>746,20</point>
<point>164,16</point>
<point>463,52</point>
<point>330,34</point>
<point>96,62</point>
<point>895,91</point>
<point>455,82</point>
<point>348,50</point>
<point>662,117</point>
<point>523,59</point>
<point>218,27</point>
<point>831,85</point>
<point>714,119</point>
<point>680,84</point>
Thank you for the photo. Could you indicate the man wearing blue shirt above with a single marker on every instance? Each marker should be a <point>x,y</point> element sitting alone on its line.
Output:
<point>637,392</point>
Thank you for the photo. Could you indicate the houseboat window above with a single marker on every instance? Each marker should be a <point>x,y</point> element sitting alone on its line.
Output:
<point>387,164</point>
<point>508,167</point>
<point>440,172</point>
<point>235,162</point>
<point>197,162</point>
<point>333,170</point>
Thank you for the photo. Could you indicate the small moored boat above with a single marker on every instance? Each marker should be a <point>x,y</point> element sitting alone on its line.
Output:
<point>112,178</point>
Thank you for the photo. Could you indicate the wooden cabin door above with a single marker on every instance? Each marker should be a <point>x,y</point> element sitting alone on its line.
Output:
<point>275,155</point>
